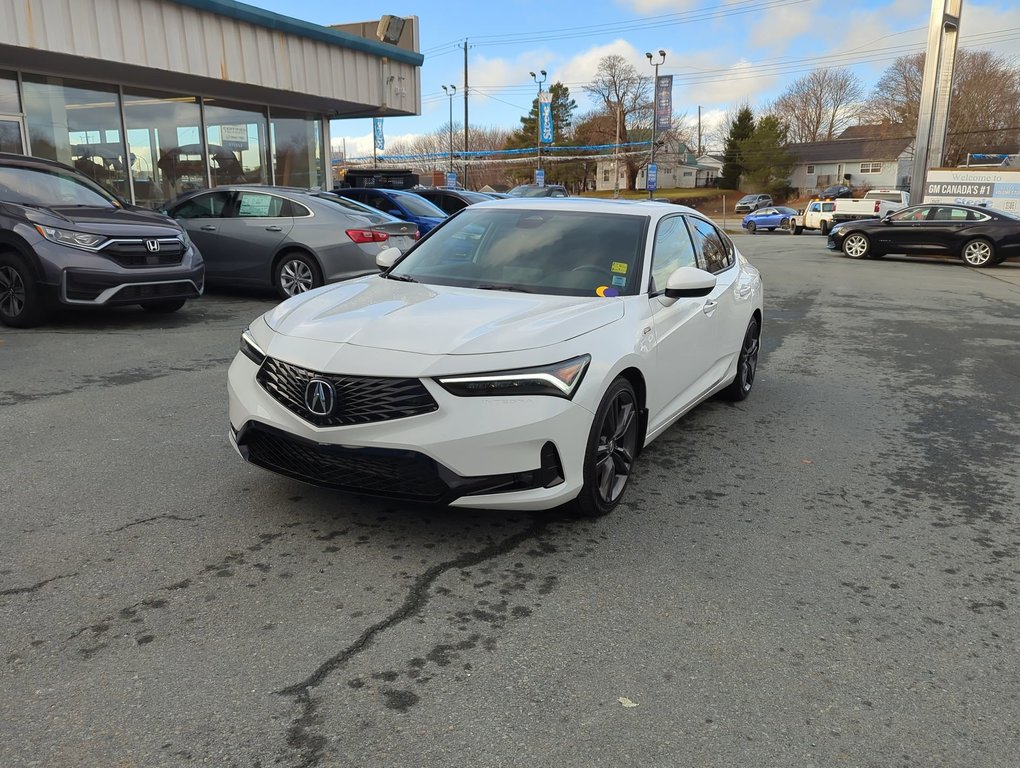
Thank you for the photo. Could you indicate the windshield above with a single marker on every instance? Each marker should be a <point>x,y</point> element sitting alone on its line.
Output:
<point>52,187</point>
<point>562,253</point>
<point>529,190</point>
<point>748,199</point>
<point>356,207</point>
<point>419,206</point>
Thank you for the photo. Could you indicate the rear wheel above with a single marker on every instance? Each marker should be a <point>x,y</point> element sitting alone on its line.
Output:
<point>21,300</point>
<point>163,306</point>
<point>784,224</point>
<point>856,245</point>
<point>979,253</point>
<point>751,227</point>
<point>824,226</point>
<point>612,447</point>
<point>747,364</point>
<point>296,273</point>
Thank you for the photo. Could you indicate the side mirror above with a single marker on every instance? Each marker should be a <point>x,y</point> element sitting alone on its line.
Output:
<point>687,283</point>
<point>387,258</point>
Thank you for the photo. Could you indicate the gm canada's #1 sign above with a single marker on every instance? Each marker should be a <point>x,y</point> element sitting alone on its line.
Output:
<point>992,187</point>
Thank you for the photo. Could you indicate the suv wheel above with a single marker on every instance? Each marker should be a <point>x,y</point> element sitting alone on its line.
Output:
<point>20,298</point>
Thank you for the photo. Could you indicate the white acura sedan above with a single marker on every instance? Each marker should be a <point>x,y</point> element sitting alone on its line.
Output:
<point>518,357</point>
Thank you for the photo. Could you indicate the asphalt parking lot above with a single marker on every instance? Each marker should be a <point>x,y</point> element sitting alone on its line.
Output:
<point>825,574</point>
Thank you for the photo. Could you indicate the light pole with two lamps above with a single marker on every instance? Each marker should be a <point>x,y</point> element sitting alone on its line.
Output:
<point>538,114</point>
<point>655,106</point>
<point>450,90</point>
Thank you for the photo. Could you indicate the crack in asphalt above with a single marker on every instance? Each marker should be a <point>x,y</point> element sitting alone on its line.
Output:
<point>34,587</point>
<point>312,745</point>
<point>155,518</point>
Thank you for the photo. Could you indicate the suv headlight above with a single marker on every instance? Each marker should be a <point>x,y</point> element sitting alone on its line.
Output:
<point>83,240</point>
<point>250,349</point>
<point>558,379</point>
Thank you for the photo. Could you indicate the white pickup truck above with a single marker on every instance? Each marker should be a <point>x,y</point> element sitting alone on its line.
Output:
<point>817,215</point>
<point>875,204</point>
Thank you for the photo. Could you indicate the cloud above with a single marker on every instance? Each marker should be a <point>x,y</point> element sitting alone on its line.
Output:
<point>361,146</point>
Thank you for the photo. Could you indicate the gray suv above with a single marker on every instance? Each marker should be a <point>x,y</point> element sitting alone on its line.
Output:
<point>66,240</point>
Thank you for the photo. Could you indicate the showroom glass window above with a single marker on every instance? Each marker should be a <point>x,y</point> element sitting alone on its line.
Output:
<point>672,249</point>
<point>164,135</point>
<point>716,251</point>
<point>297,149</point>
<point>78,124</point>
<point>238,145</point>
<point>9,104</point>
<point>10,124</point>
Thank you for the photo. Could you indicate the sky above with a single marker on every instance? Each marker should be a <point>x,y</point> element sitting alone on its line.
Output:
<point>721,53</point>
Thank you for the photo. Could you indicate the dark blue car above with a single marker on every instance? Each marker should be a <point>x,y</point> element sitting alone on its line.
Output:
<point>771,218</point>
<point>404,205</point>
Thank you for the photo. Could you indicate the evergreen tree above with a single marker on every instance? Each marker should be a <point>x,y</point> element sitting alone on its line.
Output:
<point>733,165</point>
<point>766,161</point>
<point>562,114</point>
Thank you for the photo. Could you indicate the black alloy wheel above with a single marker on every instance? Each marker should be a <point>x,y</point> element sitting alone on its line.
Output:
<point>612,448</point>
<point>20,298</point>
<point>747,364</point>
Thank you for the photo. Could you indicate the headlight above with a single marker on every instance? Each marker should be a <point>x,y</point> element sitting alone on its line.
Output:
<point>82,240</point>
<point>250,349</point>
<point>558,379</point>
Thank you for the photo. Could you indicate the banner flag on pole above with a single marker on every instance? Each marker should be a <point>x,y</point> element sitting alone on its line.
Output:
<point>377,129</point>
<point>664,103</point>
<point>545,118</point>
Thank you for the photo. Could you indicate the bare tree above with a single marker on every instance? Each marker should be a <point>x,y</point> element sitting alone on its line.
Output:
<point>820,105</point>
<point>984,111</point>
<point>625,94</point>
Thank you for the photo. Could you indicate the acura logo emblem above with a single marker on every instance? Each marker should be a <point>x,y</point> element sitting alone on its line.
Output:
<point>320,397</point>
<point>152,246</point>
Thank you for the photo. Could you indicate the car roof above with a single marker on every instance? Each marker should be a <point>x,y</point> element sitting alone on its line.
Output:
<point>13,158</point>
<point>589,204</point>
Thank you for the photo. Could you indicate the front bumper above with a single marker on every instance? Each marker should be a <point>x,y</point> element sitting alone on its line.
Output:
<point>522,453</point>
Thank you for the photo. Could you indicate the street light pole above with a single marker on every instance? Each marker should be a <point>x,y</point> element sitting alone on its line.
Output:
<point>538,114</point>
<point>655,88</point>
<point>450,91</point>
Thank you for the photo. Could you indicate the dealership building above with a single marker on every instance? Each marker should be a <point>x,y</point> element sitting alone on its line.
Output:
<point>156,97</point>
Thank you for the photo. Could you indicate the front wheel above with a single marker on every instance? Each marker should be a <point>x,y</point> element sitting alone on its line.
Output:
<point>797,229</point>
<point>296,273</point>
<point>610,452</point>
<point>747,364</point>
<point>979,253</point>
<point>21,300</point>
<point>856,245</point>
<point>751,227</point>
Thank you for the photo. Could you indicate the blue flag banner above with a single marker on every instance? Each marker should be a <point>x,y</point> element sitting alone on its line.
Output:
<point>380,142</point>
<point>653,177</point>
<point>664,103</point>
<point>545,118</point>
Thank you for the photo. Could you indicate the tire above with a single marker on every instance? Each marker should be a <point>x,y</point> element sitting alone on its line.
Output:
<point>797,229</point>
<point>751,227</point>
<point>784,224</point>
<point>295,273</point>
<point>747,364</point>
<point>824,226</point>
<point>163,306</point>
<point>979,253</point>
<point>611,449</point>
<point>21,300</point>
<point>856,245</point>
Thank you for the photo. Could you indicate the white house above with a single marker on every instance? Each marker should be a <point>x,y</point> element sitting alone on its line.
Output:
<point>858,158</point>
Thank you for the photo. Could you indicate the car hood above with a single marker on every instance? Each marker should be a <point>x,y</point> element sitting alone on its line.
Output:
<point>104,221</point>
<point>438,320</point>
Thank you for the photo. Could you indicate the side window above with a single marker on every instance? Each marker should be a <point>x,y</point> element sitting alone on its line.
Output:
<point>814,207</point>
<point>209,206</point>
<point>716,252</point>
<point>259,205</point>
<point>381,203</point>
<point>672,249</point>
<point>290,208</point>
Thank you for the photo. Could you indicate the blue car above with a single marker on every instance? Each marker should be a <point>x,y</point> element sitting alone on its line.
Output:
<point>771,218</point>
<point>404,205</point>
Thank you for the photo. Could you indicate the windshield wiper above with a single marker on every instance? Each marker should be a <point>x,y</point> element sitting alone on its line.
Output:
<point>494,287</point>
<point>401,278</point>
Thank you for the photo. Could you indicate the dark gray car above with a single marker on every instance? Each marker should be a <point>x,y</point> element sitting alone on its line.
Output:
<point>289,239</point>
<point>65,239</point>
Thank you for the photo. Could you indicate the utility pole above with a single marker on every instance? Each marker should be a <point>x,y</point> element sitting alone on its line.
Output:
<point>616,156</point>
<point>465,182</point>
<point>655,116</point>
<point>450,91</point>
<point>700,153</point>
<point>538,114</point>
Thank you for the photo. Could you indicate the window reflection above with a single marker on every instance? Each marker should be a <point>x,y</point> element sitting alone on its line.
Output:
<point>297,149</point>
<point>237,143</point>
<point>9,104</point>
<point>164,137</point>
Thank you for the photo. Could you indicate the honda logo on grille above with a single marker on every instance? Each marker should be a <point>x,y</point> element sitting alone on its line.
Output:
<point>152,246</point>
<point>320,397</point>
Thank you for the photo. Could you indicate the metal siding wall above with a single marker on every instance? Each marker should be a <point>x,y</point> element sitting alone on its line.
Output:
<point>171,37</point>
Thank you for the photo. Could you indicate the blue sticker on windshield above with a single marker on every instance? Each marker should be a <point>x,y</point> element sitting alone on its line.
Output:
<point>619,280</point>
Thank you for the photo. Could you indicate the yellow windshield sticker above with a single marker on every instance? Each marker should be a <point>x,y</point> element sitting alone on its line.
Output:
<point>620,267</point>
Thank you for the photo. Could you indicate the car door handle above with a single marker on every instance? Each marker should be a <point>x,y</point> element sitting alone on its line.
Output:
<point>207,228</point>
<point>274,228</point>
<point>709,307</point>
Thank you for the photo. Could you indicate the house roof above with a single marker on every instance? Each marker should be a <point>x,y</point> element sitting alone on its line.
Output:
<point>842,150</point>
